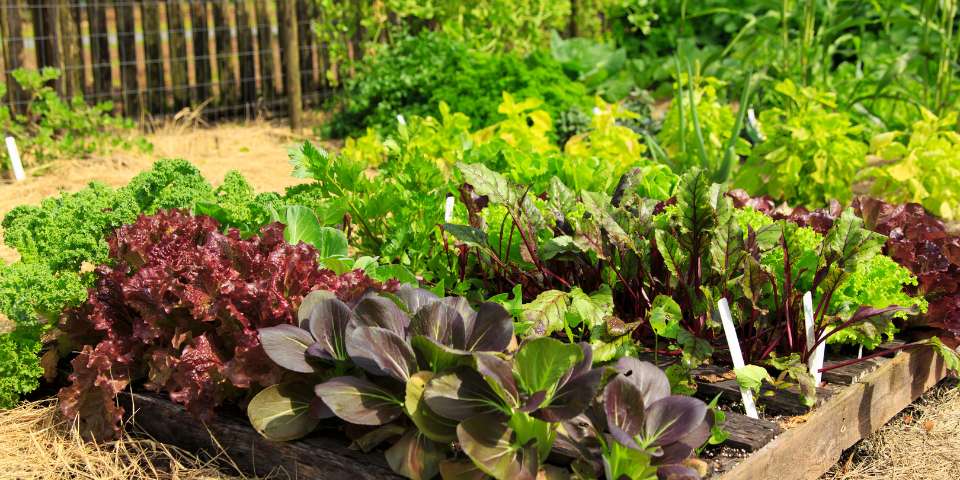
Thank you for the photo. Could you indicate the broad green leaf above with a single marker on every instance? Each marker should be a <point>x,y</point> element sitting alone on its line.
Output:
<point>461,394</point>
<point>950,357</point>
<point>726,248</point>
<point>489,183</point>
<point>547,313</point>
<point>529,430</point>
<point>433,426</point>
<point>665,317</point>
<point>472,237</point>
<point>438,357</point>
<point>381,352</point>
<point>752,377</point>
<point>673,257</point>
<point>591,310</point>
<point>282,412</point>
<point>696,215</point>
<point>542,362</point>
<point>302,226</point>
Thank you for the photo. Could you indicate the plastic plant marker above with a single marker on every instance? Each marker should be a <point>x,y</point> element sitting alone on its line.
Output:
<point>815,362</point>
<point>15,159</point>
<point>448,209</point>
<point>730,332</point>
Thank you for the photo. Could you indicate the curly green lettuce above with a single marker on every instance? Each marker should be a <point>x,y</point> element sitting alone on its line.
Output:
<point>64,237</point>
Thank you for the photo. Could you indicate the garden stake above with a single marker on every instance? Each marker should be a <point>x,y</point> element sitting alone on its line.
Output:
<point>730,332</point>
<point>815,362</point>
<point>15,159</point>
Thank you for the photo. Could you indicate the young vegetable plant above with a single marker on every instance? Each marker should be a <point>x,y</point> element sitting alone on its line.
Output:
<point>636,429</point>
<point>379,356</point>
<point>509,409</point>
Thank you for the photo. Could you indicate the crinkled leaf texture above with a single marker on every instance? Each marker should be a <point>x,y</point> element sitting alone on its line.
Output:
<point>180,309</point>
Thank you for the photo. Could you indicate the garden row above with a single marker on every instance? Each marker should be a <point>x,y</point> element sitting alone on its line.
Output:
<point>521,267</point>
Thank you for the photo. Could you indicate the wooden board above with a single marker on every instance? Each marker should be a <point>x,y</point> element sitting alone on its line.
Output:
<point>866,398</point>
<point>313,457</point>
<point>807,451</point>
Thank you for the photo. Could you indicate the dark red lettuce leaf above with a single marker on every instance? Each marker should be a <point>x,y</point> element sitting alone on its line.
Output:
<point>180,310</point>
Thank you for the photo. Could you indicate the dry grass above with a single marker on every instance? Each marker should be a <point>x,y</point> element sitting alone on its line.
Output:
<point>258,149</point>
<point>923,442</point>
<point>39,444</point>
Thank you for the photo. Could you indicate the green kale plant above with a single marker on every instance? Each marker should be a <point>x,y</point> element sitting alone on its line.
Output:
<point>62,239</point>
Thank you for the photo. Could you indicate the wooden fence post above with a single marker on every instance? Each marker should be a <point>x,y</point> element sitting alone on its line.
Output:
<point>176,38</point>
<point>155,99</point>
<point>291,56</point>
<point>70,46</point>
<point>269,73</point>
<point>201,51</point>
<point>225,54</point>
<point>100,51</point>
<point>11,29</point>
<point>247,54</point>
<point>127,48</point>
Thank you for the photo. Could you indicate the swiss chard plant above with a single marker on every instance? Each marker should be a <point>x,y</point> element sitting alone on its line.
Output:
<point>666,264</point>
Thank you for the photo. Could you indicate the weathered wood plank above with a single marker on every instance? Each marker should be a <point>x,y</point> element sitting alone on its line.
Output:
<point>780,402</point>
<point>850,374</point>
<point>68,41</point>
<point>313,457</point>
<point>291,56</point>
<point>747,433</point>
<point>271,75</point>
<point>225,54</point>
<point>807,451</point>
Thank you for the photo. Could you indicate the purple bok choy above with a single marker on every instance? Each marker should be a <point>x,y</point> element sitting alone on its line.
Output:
<point>509,408</point>
<point>636,429</point>
<point>371,363</point>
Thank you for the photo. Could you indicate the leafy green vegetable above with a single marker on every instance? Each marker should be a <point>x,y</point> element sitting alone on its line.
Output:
<point>49,127</point>
<point>924,169</point>
<point>416,74</point>
<point>812,152</point>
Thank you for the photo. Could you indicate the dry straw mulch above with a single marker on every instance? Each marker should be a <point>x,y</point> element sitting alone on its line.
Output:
<point>36,443</point>
<point>923,442</point>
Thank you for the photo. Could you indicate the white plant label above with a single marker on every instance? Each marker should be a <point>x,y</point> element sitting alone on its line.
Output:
<point>730,332</point>
<point>815,362</point>
<point>448,210</point>
<point>14,155</point>
<point>401,120</point>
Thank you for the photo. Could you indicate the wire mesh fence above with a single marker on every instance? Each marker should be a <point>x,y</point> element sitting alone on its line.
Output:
<point>155,58</point>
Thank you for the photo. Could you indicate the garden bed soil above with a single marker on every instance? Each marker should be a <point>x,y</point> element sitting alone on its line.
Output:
<point>787,442</point>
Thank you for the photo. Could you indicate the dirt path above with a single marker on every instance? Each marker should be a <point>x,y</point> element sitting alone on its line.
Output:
<point>257,149</point>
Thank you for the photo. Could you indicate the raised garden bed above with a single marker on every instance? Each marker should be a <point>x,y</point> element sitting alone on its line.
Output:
<point>787,443</point>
